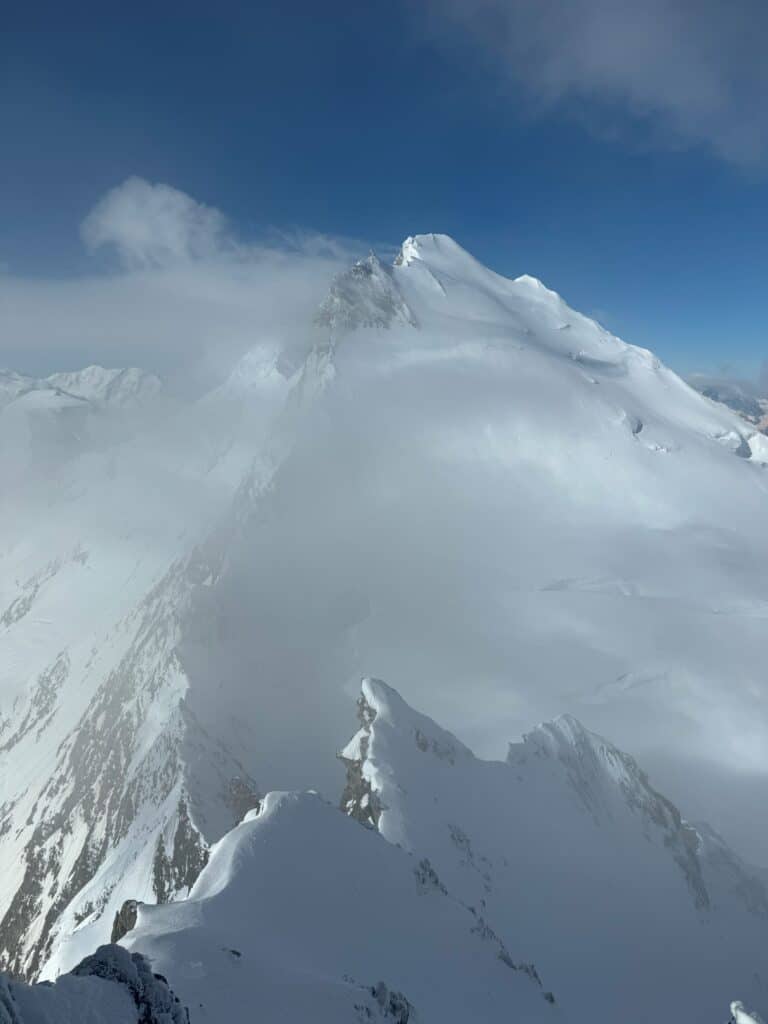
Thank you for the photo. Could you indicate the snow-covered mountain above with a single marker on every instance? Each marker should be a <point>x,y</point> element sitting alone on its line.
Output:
<point>340,926</point>
<point>568,847</point>
<point>95,384</point>
<point>467,485</point>
<point>47,421</point>
<point>743,398</point>
<point>97,752</point>
<point>417,899</point>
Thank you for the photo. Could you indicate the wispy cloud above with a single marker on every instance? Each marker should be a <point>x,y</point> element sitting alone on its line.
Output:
<point>155,225</point>
<point>691,71</point>
<point>178,292</point>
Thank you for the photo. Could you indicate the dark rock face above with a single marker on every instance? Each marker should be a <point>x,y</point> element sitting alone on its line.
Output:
<point>394,1005</point>
<point>154,1001</point>
<point>735,399</point>
<point>125,920</point>
<point>92,784</point>
<point>107,774</point>
<point>178,870</point>
<point>380,1002</point>
<point>359,800</point>
<point>366,295</point>
<point>9,1011</point>
<point>242,798</point>
<point>42,703</point>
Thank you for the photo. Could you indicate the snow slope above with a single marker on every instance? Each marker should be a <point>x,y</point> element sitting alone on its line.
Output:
<point>102,549</point>
<point>567,847</point>
<point>305,914</point>
<point>467,485</point>
<point>545,510</point>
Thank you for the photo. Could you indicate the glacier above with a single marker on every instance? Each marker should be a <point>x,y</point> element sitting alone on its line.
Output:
<point>465,486</point>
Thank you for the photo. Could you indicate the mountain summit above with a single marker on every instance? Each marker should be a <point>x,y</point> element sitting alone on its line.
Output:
<point>364,296</point>
<point>467,484</point>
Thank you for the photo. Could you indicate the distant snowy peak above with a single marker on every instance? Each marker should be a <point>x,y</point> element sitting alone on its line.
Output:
<point>409,251</point>
<point>94,384</point>
<point>446,261</point>
<point>12,385</point>
<point>562,751</point>
<point>434,249</point>
<point>592,765</point>
<point>116,387</point>
<point>599,774</point>
<point>743,399</point>
<point>255,374</point>
<point>366,295</point>
<point>559,761</point>
<point>560,755</point>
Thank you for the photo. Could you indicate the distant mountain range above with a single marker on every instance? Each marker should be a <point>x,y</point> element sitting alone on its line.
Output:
<point>745,399</point>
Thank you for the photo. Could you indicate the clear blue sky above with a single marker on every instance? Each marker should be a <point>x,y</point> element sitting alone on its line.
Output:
<point>621,188</point>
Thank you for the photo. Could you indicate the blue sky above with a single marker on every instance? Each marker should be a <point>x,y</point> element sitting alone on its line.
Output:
<point>631,178</point>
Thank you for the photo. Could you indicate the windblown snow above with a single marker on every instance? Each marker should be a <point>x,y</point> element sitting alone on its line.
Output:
<point>469,488</point>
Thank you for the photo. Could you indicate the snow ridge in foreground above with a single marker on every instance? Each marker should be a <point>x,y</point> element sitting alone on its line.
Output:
<point>422,900</point>
<point>567,848</point>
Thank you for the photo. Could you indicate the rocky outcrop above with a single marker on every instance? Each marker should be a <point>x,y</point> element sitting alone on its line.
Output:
<point>359,799</point>
<point>176,871</point>
<point>155,1002</point>
<point>392,1005</point>
<point>242,797</point>
<point>366,295</point>
<point>78,996</point>
<point>125,920</point>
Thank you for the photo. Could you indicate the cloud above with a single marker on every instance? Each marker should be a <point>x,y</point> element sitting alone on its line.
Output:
<point>186,298</point>
<point>155,225</point>
<point>691,71</point>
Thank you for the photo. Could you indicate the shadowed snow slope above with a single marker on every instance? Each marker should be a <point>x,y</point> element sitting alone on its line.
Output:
<point>568,849</point>
<point>307,916</point>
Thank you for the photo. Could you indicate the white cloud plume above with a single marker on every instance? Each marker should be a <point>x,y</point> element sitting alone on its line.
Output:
<point>691,71</point>
<point>187,297</point>
<point>155,225</point>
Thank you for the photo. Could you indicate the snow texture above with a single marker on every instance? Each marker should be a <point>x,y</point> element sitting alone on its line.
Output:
<point>110,987</point>
<point>567,848</point>
<point>466,486</point>
<point>327,922</point>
